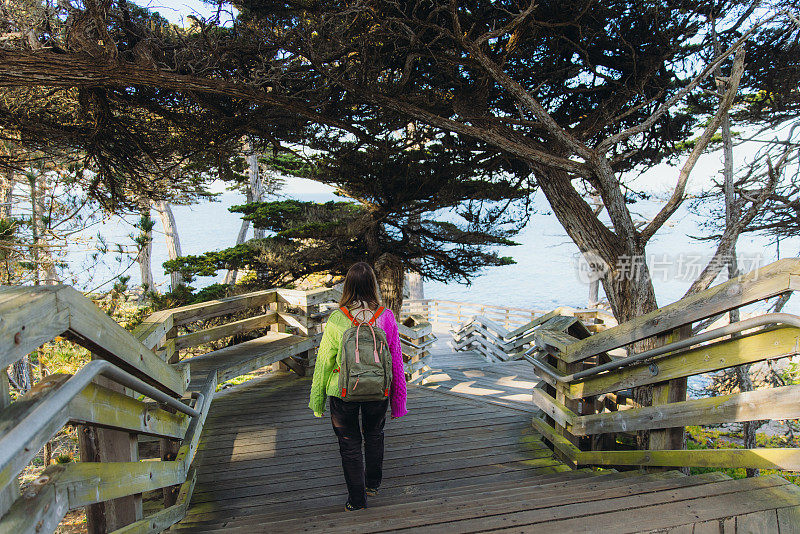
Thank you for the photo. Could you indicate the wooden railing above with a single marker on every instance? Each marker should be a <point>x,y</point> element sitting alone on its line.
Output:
<point>586,389</point>
<point>416,339</point>
<point>449,314</point>
<point>147,363</point>
<point>496,343</point>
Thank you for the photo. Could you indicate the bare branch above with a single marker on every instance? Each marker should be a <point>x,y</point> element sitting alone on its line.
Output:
<point>702,143</point>
<point>609,142</point>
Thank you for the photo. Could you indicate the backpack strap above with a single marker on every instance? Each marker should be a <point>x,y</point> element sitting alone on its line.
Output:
<point>353,320</point>
<point>377,314</point>
<point>346,313</point>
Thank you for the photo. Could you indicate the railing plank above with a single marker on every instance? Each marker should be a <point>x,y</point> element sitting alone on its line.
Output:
<point>10,492</point>
<point>29,317</point>
<point>226,330</point>
<point>154,328</point>
<point>297,321</point>
<point>782,459</point>
<point>17,412</point>
<point>101,406</point>
<point>94,405</point>
<point>765,345</point>
<point>39,510</point>
<point>163,519</point>
<point>773,403</point>
<point>556,410</point>
<point>224,306</point>
<point>297,297</point>
<point>771,280</point>
<point>189,446</point>
<point>105,337</point>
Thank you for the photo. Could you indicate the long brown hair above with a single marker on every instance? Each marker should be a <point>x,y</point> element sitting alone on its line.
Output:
<point>360,285</point>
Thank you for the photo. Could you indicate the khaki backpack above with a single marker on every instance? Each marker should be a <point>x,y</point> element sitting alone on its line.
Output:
<point>365,363</point>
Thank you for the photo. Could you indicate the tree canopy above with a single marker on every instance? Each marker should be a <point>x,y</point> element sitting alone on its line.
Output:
<point>579,92</point>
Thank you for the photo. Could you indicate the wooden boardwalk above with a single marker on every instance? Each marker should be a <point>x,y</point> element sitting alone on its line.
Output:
<point>264,457</point>
<point>454,464</point>
<point>472,455</point>
<point>469,375</point>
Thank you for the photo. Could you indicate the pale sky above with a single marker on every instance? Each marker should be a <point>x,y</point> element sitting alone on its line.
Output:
<point>176,10</point>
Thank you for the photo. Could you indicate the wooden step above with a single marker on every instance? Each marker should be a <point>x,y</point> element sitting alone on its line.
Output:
<point>632,505</point>
<point>419,493</point>
<point>404,512</point>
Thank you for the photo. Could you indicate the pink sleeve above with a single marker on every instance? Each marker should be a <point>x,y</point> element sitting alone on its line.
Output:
<point>397,393</point>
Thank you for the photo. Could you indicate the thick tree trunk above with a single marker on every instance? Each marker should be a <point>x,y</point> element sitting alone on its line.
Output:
<point>145,245</point>
<point>173,241</point>
<point>626,282</point>
<point>391,276</point>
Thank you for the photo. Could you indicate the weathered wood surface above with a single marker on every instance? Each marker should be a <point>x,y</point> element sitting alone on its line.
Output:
<point>224,306</point>
<point>787,459</point>
<point>154,328</point>
<point>246,357</point>
<point>226,330</point>
<point>263,450</point>
<point>167,517</point>
<point>773,279</point>
<point>10,490</point>
<point>106,509</point>
<point>497,343</point>
<point>764,345</point>
<point>95,405</point>
<point>452,465</point>
<point>776,403</point>
<point>30,316</point>
<point>101,334</point>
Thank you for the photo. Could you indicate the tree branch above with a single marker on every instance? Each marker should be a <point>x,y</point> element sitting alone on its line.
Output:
<point>702,143</point>
<point>44,68</point>
<point>609,142</point>
<point>731,234</point>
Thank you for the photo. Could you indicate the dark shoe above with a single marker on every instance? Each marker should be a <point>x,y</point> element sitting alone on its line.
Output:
<point>372,492</point>
<point>350,508</point>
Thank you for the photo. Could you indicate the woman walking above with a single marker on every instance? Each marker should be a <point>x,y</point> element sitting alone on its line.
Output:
<point>360,368</point>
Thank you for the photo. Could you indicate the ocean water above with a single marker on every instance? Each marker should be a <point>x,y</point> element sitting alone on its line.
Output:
<point>546,273</point>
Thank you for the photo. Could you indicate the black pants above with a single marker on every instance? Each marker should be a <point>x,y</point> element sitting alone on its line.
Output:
<point>344,416</point>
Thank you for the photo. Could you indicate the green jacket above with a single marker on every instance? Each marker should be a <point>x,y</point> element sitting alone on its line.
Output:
<point>324,383</point>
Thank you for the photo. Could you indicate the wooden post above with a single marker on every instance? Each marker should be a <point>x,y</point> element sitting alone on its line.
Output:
<point>277,326</point>
<point>10,493</point>
<point>172,354</point>
<point>104,445</point>
<point>169,448</point>
<point>277,307</point>
<point>668,392</point>
<point>169,451</point>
